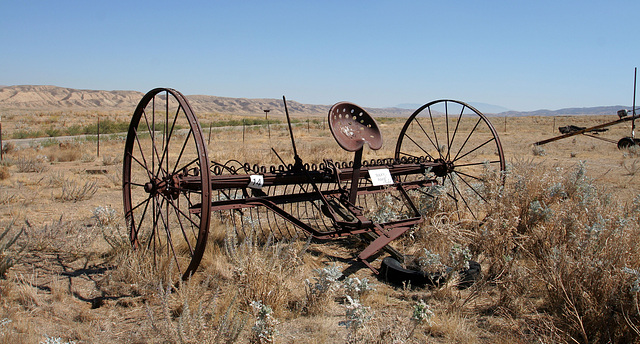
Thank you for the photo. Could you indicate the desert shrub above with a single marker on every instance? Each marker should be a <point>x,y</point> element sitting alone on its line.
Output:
<point>320,291</point>
<point>60,236</point>
<point>553,235</point>
<point>109,160</point>
<point>29,165</point>
<point>8,147</point>
<point>356,317</point>
<point>53,132</point>
<point>631,167</point>
<point>10,253</point>
<point>632,151</point>
<point>538,151</point>
<point>65,152</point>
<point>265,273</point>
<point>55,340</point>
<point>7,197</point>
<point>264,328</point>
<point>65,155</point>
<point>24,134</point>
<point>4,173</point>
<point>73,191</point>
<point>113,232</point>
<point>192,314</point>
<point>357,288</point>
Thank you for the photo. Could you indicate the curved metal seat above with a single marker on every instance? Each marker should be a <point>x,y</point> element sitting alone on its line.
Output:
<point>351,126</point>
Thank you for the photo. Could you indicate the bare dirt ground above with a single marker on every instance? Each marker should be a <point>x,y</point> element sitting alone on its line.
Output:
<point>76,282</point>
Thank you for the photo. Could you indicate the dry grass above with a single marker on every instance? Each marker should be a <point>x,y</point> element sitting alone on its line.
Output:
<point>4,172</point>
<point>558,250</point>
<point>31,165</point>
<point>74,191</point>
<point>10,253</point>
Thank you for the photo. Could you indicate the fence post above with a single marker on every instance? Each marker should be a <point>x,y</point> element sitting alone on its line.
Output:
<point>98,129</point>
<point>209,140</point>
<point>266,117</point>
<point>243,130</point>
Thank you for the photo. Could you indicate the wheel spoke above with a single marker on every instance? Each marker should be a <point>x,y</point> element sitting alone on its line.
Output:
<point>428,137</point>
<point>455,131</point>
<point>167,138</point>
<point>134,184</point>
<point>170,249</point>
<point>184,234</point>
<point>470,176</point>
<point>143,164</point>
<point>152,134</point>
<point>473,150</point>
<point>467,139</point>
<point>478,163</point>
<point>184,145</point>
<point>462,160</point>
<point>433,127</point>
<point>464,200</point>
<point>142,217</point>
<point>141,203</point>
<point>453,197</point>
<point>446,120</point>
<point>419,146</point>
<point>471,187</point>
<point>161,213</point>
<point>178,210</point>
<point>195,226</point>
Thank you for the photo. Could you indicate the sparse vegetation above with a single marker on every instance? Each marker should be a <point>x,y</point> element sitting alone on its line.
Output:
<point>30,165</point>
<point>558,250</point>
<point>9,254</point>
<point>4,172</point>
<point>74,191</point>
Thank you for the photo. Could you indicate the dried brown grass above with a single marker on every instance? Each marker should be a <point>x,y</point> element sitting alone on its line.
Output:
<point>558,253</point>
<point>4,172</point>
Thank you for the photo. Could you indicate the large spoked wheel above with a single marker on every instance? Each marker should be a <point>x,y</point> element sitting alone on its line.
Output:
<point>167,183</point>
<point>465,151</point>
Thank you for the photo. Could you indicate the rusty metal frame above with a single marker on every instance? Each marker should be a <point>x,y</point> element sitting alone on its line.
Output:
<point>182,194</point>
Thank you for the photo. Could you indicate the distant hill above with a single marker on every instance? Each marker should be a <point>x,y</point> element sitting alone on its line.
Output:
<point>482,107</point>
<point>52,98</point>
<point>599,110</point>
<point>24,98</point>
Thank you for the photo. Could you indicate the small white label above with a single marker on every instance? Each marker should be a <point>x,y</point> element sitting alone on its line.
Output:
<point>380,177</point>
<point>256,181</point>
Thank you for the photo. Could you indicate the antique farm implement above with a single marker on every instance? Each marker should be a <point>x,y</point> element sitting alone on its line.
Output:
<point>623,116</point>
<point>173,191</point>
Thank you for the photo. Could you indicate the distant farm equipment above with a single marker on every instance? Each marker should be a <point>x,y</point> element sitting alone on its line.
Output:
<point>623,116</point>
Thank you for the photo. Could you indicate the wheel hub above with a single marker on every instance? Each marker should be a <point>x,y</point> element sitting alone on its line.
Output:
<point>168,186</point>
<point>443,167</point>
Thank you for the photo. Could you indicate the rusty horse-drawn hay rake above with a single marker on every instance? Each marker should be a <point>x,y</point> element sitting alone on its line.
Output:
<point>172,190</point>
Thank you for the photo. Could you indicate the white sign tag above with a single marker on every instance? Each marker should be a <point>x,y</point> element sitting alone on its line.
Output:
<point>256,181</point>
<point>380,177</point>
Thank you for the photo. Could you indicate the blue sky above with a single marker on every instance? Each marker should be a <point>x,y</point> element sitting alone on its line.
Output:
<point>522,55</point>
